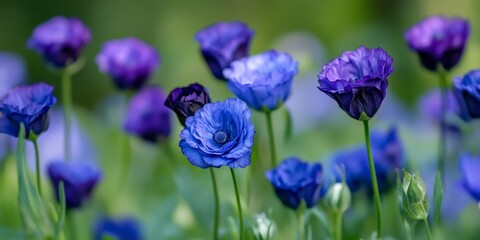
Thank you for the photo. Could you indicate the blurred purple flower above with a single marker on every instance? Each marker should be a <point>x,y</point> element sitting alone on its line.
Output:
<point>263,81</point>
<point>147,116</point>
<point>295,181</point>
<point>431,106</point>
<point>126,228</point>
<point>79,179</point>
<point>12,72</point>
<point>60,40</point>
<point>26,105</point>
<point>185,101</point>
<point>467,90</point>
<point>129,61</point>
<point>357,80</point>
<point>438,40</point>
<point>470,168</point>
<point>222,43</point>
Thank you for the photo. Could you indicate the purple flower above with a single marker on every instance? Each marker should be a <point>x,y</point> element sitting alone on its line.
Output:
<point>219,134</point>
<point>146,116</point>
<point>12,71</point>
<point>295,181</point>
<point>79,179</point>
<point>60,40</point>
<point>26,105</point>
<point>470,167</point>
<point>186,101</point>
<point>431,106</point>
<point>126,228</point>
<point>438,40</point>
<point>222,43</point>
<point>357,80</point>
<point>467,90</point>
<point>263,81</point>
<point>129,61</point>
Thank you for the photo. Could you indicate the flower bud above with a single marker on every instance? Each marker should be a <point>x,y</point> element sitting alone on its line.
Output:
<point>263,227</point>
<point>414,196</point>
<point>338,197</point>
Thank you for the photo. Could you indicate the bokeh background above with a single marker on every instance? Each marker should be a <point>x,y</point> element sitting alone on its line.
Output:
<point>172,199</point>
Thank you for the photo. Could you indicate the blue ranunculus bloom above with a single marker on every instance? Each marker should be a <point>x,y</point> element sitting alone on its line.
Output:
<point>126,228</point>
<point>147,117</point>
<point>470,167</point>
<point>185,101</point>
<point>222,43</point>
<point>439,40</point>
<point>12,72</point>
<point>60,40</point>
<point>357,81</point>
<point>467,90</point>
<point>388,156</point>
<point>28,105</point>
<point>79,179</point>
<point>295,181</point>
<point>263,81</point>
<point>129,61</point>
<point>219,134</point>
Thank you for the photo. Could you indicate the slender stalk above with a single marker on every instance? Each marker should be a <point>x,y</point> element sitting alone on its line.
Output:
<point>427,228</point>
<point>67,109</point>
<point>271,138</point>
<point>338,225</point>
<point>438,188</point>
<point>71,226</point>
<point>217,205</point>
<point>239,205</point>
<point>300,224</point>
<point>374,180</point>
<point>37,167</point>
<point>126,158</point>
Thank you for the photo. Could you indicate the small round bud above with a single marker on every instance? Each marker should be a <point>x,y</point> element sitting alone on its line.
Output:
<point>338,197</point>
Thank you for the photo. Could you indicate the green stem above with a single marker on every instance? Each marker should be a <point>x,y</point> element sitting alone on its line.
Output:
<point>374,180</point>
<point>427,228</point>
<point>217,205</point>
<point>126,157</point>
<point>300,224</point>
<point>67,109</point>
<point>239,205</point>
<point>37,167</point>
<point>271,138</point>
<point>71,226</point>
<point>438,188</point>
<point>338,225</point>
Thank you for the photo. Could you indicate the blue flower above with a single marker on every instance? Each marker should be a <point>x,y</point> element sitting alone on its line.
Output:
<point>12,71</point>
<point>388,156</point>
<point>467,90</point>
<point>431,105</point>
<point>129,61</point>
<point>357,81</point>
<point>60,40</point>
<point>295,181</point>
<point>220,134</point>
<point>470,167</point>
<point>222,43</point>
<point>439,40</point>
<point>185,101</point>
<point>146,116</point>
<point>28,105</point>
<point>79,179</point>
<point>263,81</point>
<point>126,228</point>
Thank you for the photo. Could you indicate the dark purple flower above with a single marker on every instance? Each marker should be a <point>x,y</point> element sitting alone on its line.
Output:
<point>129,61</point>
<point>262,81</point>
<point>295,181</point>
<point>438,40</point>
<point>126,228</point>
<point>60,40</point>
<point>12,71</point>
<point>467,90</point>
<point>28,105</point>
<point>79,180</point>
<point>222,43</point>
<point>186,101</point>
<point>146,116</point>
<point>470,167</point>
<point>357,80</point>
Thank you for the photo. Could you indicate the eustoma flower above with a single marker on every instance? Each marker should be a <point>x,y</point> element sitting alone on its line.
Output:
<point>79,179</point>
<point>129,62</point>
<point>470,167</point>
<point>125,228</point>
<point>439,40</point>
<point>222,43</point>
<point>146,116</point>
<point>468,92</point>
<point>186,101</point>
<point>60,40</point>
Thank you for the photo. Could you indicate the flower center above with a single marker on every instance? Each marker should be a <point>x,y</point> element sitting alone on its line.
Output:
<point>221,137</point>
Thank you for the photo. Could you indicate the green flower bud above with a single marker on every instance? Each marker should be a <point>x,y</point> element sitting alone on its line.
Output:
<point>338,197</point>
<point>414,196</point>
<point>263,227</point>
